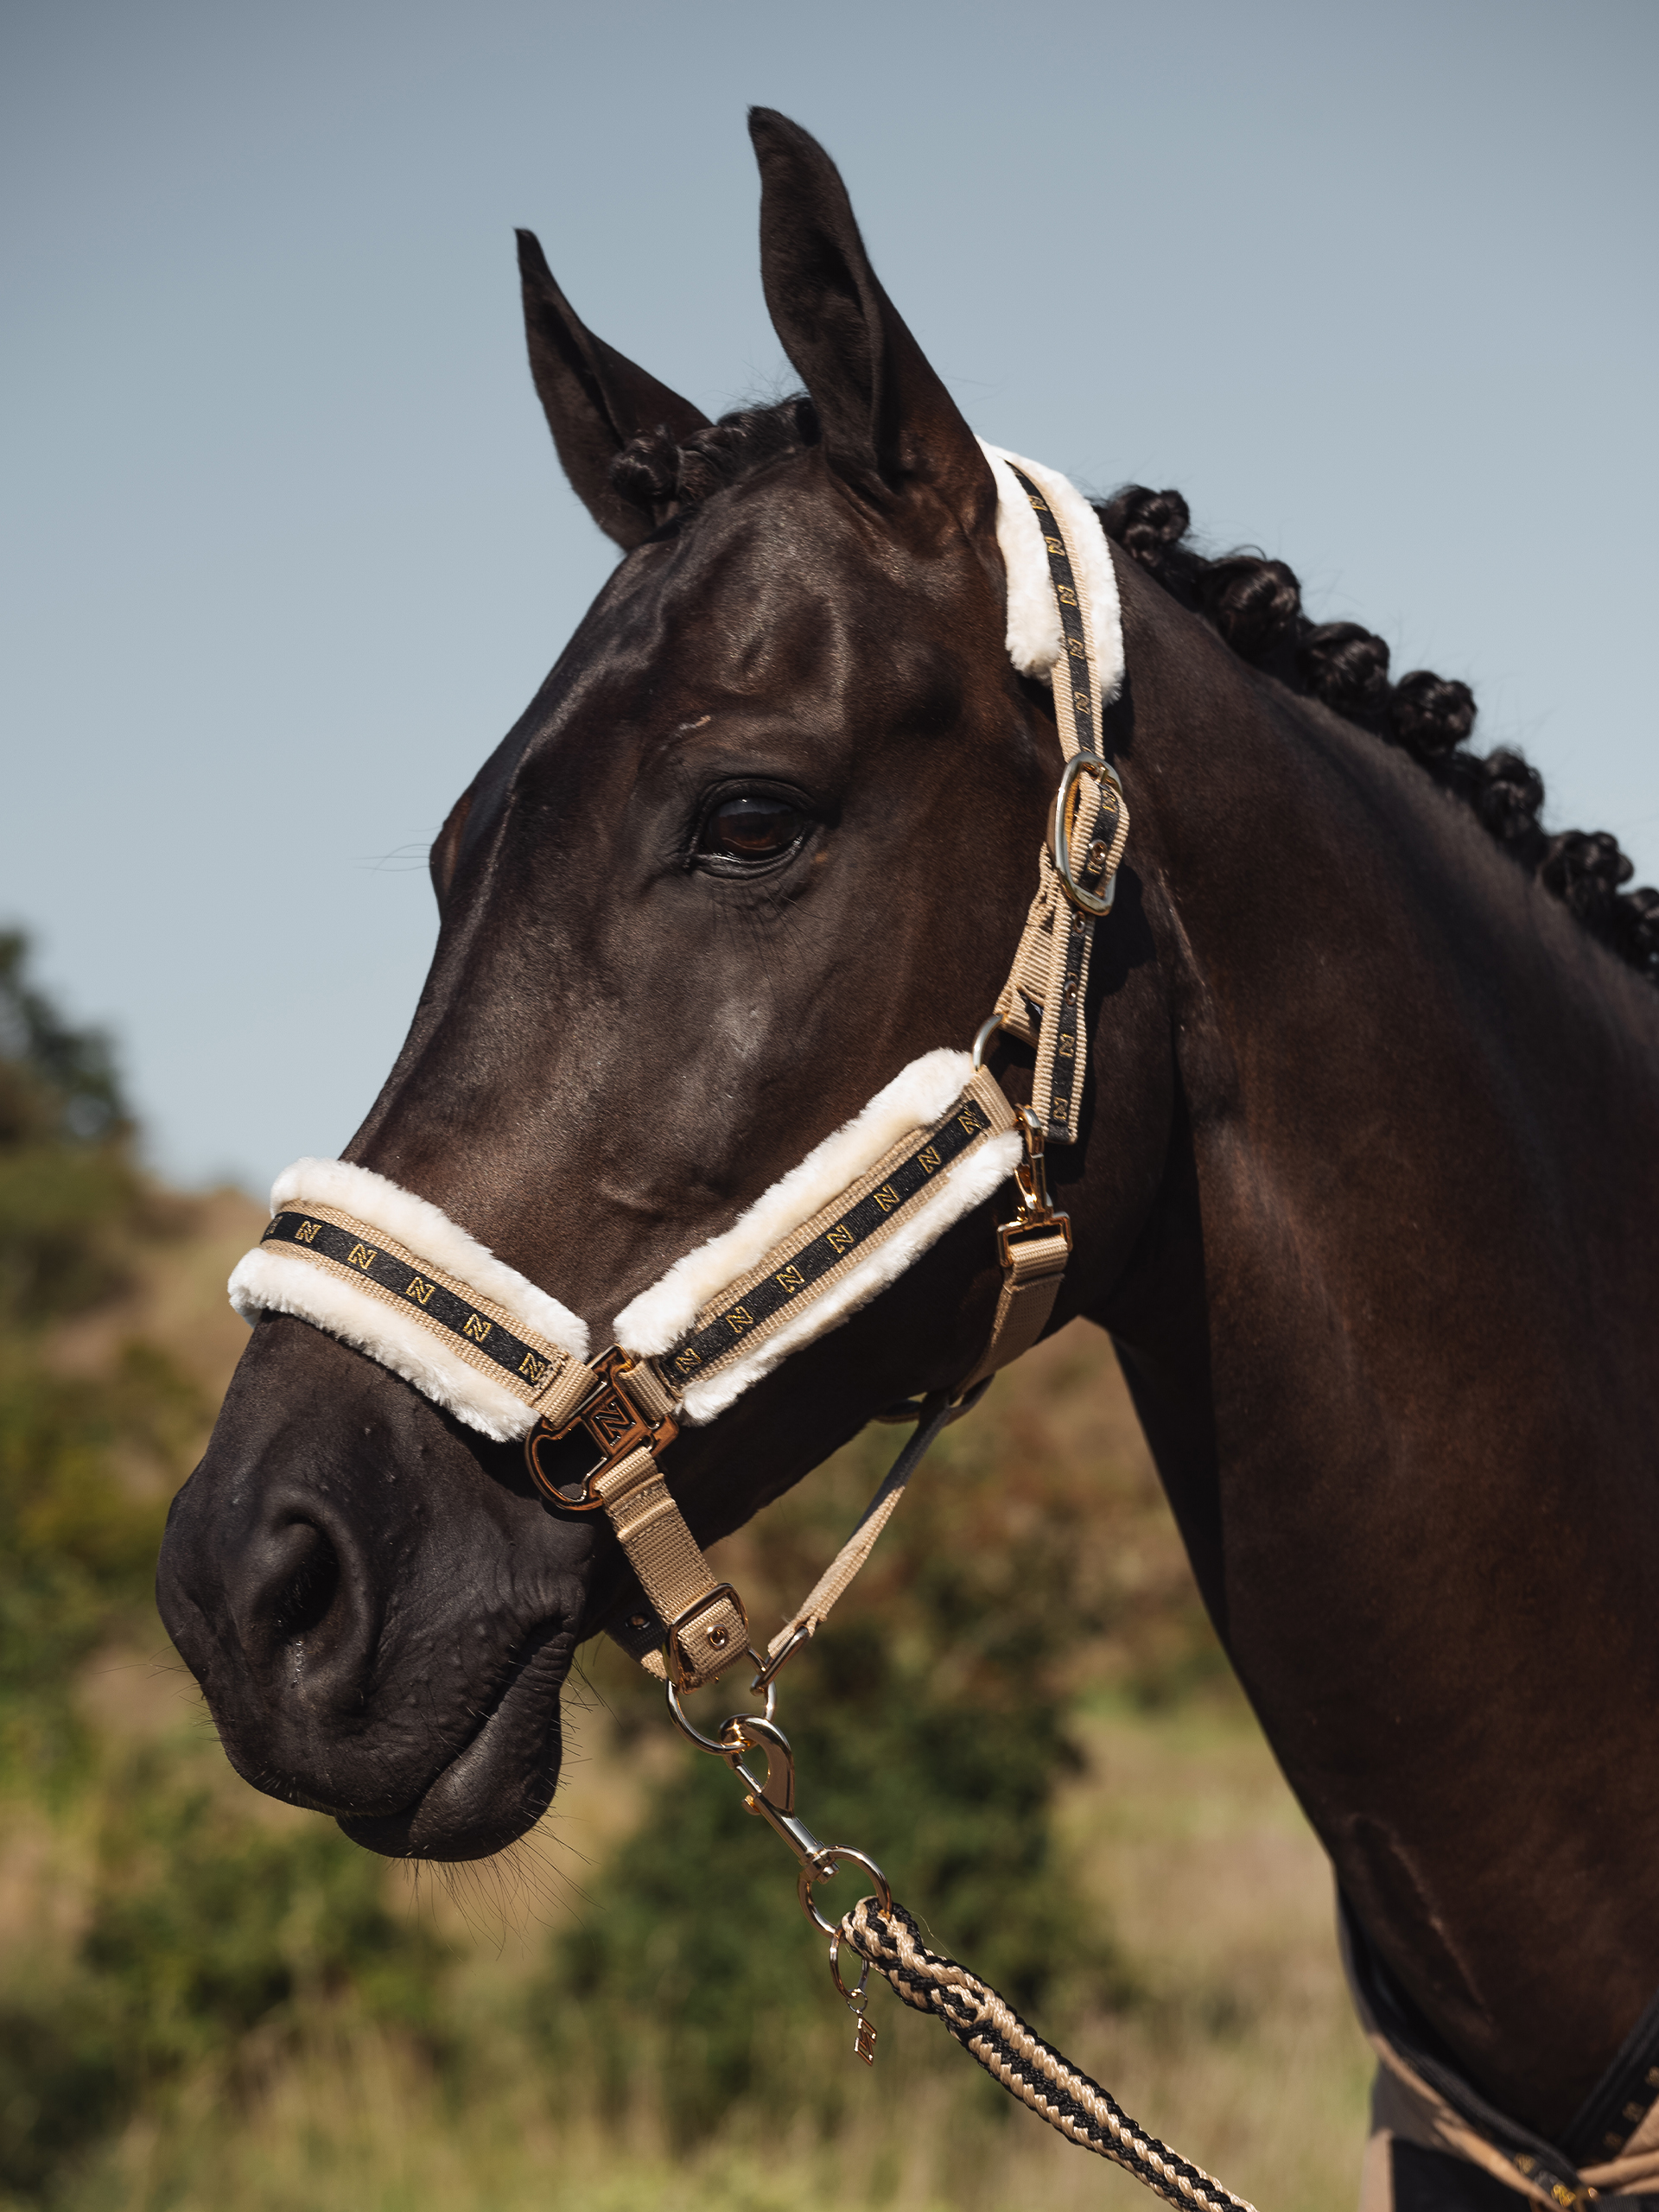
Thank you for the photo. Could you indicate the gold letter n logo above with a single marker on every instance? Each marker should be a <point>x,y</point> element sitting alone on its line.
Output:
<point>362,1257</point>
<point>476,1327</point>
<point>308,1232</point>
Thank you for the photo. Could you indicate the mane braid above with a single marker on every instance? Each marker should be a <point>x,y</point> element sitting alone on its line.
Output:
<point>1256,606</point>
<point>663,477</point>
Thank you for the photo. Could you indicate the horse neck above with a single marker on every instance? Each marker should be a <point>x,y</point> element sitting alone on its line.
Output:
<point>1390,1336</point>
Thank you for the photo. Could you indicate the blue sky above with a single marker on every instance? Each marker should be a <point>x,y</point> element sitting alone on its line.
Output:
<point>287,548</point>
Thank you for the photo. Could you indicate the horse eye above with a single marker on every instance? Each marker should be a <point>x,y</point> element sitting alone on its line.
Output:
<point>750,829</point>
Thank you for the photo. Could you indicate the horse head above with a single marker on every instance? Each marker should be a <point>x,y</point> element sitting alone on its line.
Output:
<point>764,838</point>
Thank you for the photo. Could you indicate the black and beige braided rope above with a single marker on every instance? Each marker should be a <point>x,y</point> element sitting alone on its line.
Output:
<point>1026,2067</point>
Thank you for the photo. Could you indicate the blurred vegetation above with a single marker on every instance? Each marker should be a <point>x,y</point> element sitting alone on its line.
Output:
<point>206,1996</point>
<point>79,1524</point>
<point>198,1928</point>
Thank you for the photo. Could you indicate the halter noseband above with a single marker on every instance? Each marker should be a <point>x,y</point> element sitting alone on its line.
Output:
<point>378,1267</point>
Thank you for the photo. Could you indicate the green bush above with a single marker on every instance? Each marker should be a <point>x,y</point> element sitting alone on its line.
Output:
<point>208,1933</point>
<point>208,1923</point>
<point>61,2084</point>
<point>215,1941</point>
<point>79,1530</point>
<point>69,1195</point>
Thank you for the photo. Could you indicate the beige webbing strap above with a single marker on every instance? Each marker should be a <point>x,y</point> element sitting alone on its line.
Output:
<point>468,1327</point>
<point>759,1305</point>
<point>935,1413</point>
<point>1050,965</point>
<point>1042,1001</point>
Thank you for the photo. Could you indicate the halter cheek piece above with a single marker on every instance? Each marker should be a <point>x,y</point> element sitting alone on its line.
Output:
<point>387,1271</point>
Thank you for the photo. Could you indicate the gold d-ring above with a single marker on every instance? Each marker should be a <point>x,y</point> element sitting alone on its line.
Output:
<point>823,1865</point>
<point>1059,844</point>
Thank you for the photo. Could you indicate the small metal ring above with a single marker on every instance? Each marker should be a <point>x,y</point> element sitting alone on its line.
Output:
<point>1060,848</point>
<point>855,1998</point>
<point>822,1868</point>
<point>676,1712</point>
<point>982,1036</point>
<point>722,1751</point>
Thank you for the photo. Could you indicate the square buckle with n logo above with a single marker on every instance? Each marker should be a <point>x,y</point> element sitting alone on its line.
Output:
<point>629,1411</point>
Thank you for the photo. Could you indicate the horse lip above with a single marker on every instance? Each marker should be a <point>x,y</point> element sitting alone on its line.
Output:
<point>501,1780</point>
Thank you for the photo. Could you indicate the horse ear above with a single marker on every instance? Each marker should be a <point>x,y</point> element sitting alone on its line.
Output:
<point>594,398</point>
<point>886,418</point>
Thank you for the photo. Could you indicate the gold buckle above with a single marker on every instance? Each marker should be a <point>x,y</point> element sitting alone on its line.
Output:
<point>684,1670</point>
<point>1094,902</point>
<point>614,1422</point>
<point>1037,1217</point>
<point>1009,1232</point>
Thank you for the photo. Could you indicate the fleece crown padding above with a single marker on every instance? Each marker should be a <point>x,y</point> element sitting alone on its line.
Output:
<point>1034,637</point>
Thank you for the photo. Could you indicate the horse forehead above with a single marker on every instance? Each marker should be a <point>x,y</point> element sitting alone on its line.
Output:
<point>780,556</point>
<point>773,588</point>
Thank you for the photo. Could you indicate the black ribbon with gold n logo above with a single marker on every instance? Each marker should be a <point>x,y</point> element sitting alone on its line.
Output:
<point>825,1252</point>
<point>482,1334</point>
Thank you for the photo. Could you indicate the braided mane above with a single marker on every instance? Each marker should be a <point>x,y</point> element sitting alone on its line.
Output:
<point>1256,606</point>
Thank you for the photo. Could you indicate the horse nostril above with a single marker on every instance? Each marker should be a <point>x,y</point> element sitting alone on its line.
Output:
<point>303,1600</point>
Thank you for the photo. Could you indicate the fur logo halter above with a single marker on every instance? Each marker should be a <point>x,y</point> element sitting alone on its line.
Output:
<point>496,1364</point>
<point>388,1271</point>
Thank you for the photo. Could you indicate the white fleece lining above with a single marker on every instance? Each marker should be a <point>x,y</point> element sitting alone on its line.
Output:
<point>1034,637</point>
<point>422,1228</point>
<point>965,1186</point>
<point>918,1095</point>
<point>273,1280</point>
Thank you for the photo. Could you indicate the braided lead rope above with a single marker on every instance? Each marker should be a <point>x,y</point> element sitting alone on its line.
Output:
<point>1026,2067</point>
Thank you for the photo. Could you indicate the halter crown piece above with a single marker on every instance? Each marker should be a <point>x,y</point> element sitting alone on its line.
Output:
<point>388,1271</point>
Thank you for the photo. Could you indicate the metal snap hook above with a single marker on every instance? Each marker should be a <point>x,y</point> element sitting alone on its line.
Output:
<point>760,1735</point>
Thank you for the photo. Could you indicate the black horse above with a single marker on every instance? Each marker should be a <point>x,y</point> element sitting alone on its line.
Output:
<point>1366,1191</point>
